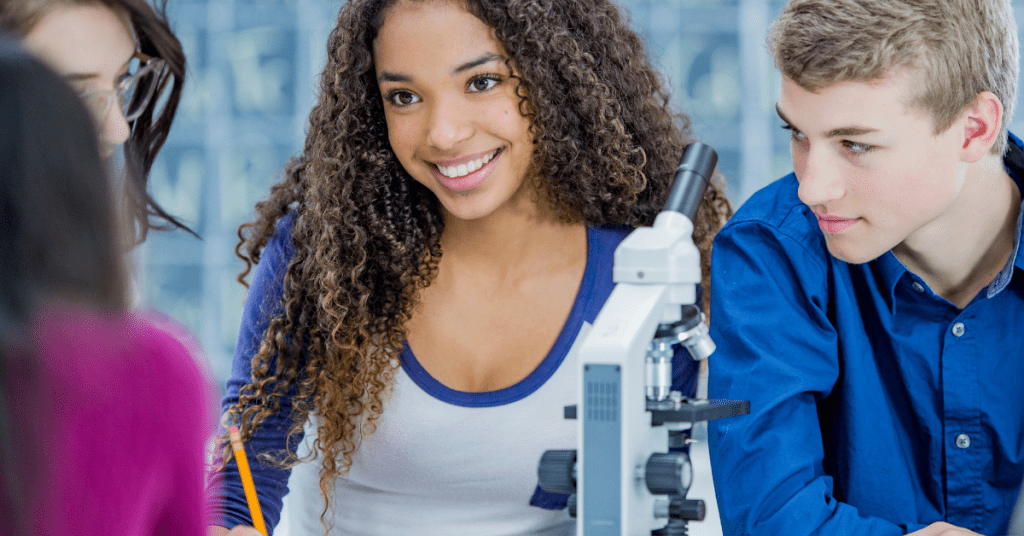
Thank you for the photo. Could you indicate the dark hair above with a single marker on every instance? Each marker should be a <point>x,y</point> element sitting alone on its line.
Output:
<point>58,232</point>
<point>606,145</point>
<point>149,131</point>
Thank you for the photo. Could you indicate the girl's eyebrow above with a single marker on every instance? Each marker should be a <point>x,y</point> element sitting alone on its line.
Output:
<point>488,57</point>
<point>78,77</point>
<point>483,59</point>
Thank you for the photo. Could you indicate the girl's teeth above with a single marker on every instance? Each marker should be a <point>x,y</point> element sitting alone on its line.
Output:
<point>465,169</point>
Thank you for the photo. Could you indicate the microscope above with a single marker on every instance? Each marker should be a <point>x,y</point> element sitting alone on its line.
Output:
<point>623,480</point>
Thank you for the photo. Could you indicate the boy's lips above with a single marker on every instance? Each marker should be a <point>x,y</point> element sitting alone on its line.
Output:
<point>835,224</point>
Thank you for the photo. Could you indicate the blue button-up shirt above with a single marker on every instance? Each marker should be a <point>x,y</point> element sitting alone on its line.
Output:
<point>876,406</point>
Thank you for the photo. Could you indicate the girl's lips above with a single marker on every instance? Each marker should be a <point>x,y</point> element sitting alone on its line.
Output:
<point>471,180</point>
<point>831,225</point>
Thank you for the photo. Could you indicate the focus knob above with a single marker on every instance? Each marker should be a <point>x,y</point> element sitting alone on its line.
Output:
<point>668,473</point>
<point>557,471</point>
<point>687,509</point>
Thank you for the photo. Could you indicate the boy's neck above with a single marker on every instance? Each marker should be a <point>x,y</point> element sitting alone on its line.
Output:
<point>962,253</point>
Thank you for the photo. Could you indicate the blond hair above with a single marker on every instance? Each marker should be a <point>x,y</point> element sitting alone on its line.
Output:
<point>959,48</point>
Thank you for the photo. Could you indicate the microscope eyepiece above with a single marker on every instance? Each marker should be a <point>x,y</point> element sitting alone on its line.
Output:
<point>692,178</point>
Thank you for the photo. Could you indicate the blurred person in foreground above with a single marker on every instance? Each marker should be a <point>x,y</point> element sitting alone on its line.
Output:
<point>103,414</point>
<point>869,304</point>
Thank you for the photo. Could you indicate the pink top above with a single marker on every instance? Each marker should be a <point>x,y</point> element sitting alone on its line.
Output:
<point>123,413</point>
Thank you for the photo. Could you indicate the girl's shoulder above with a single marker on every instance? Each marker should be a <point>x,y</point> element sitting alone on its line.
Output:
<point>121,394</point>
<point>282,239</point>
<point>609,233</point>
<point>90,352</point>
<point>603,239</point>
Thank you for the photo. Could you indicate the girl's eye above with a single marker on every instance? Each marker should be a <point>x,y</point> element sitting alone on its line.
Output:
<point>402,98</point>
<point>794,134</point>
<point>483,83</point>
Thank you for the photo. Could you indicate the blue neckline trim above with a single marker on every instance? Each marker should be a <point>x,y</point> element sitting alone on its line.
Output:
<point>535,379</point>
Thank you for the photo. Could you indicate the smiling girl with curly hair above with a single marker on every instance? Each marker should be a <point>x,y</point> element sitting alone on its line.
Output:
<point>427,263</point>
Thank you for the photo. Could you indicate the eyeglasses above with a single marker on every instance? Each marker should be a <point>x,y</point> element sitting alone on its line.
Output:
<point>133,92</point>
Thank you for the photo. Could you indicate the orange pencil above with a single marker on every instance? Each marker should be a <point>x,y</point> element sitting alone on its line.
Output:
<point>247,483</point>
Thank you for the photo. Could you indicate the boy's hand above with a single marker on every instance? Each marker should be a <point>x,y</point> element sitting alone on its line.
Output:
<point>941,528</point>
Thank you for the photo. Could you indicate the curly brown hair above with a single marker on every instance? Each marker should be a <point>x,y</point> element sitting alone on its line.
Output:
<point>607,144</point>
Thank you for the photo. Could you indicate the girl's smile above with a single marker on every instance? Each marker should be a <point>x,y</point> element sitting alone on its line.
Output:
<point>469,173</point>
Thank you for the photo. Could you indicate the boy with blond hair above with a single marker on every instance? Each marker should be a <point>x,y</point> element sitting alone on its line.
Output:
<point>868,305</point>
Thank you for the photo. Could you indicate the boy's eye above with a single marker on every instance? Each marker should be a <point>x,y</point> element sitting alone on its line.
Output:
<point>402,98</point>
<point>483,83</point>
<point>794,134</point>
<point>857,148</point>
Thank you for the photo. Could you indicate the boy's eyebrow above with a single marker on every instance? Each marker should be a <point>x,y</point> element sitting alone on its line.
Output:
<point>834,133</point>
<point>388,76</point>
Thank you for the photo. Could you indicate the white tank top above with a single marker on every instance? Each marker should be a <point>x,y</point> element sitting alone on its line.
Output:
<point>447,462</point>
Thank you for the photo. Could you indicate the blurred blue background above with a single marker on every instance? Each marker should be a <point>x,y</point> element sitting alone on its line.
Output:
<point>252,68</point>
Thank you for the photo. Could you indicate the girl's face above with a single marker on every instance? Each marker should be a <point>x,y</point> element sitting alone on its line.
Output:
<point>92,47</point>
<point>451,107</point>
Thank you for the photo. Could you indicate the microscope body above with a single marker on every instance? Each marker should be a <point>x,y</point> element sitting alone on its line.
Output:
<point>622,479</point>
<point>656,273</point>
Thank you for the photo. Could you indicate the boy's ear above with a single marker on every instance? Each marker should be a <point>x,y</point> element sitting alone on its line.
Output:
<point>981,127</point>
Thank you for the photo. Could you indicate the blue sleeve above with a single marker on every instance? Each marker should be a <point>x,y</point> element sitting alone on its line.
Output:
<point>778,349</point>
<point>262,304</point>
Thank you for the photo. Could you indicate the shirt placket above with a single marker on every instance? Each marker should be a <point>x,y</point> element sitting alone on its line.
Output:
<point>963,443</point>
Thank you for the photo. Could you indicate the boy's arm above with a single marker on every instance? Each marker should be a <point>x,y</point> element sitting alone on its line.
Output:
<point>778,349</point>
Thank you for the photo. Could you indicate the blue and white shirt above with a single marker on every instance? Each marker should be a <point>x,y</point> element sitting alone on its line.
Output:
<point>440,461</point>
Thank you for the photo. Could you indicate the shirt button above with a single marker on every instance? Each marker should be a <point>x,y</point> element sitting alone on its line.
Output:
<point>963,441</point>
<point>958,329</point>
<point>917,286</point>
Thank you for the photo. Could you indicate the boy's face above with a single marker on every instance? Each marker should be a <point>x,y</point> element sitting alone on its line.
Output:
<point>870,166</point>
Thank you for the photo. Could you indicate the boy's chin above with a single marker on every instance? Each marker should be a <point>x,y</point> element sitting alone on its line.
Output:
<point>852,253</point>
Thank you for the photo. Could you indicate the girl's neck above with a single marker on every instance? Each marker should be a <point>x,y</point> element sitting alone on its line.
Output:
<point>518,237</point>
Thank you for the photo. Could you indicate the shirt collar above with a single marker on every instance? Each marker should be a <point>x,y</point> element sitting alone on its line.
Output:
<point>889,270</point>
<point>1014,163</point>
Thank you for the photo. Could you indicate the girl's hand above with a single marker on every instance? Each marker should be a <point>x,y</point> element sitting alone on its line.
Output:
<point>240,530</point>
